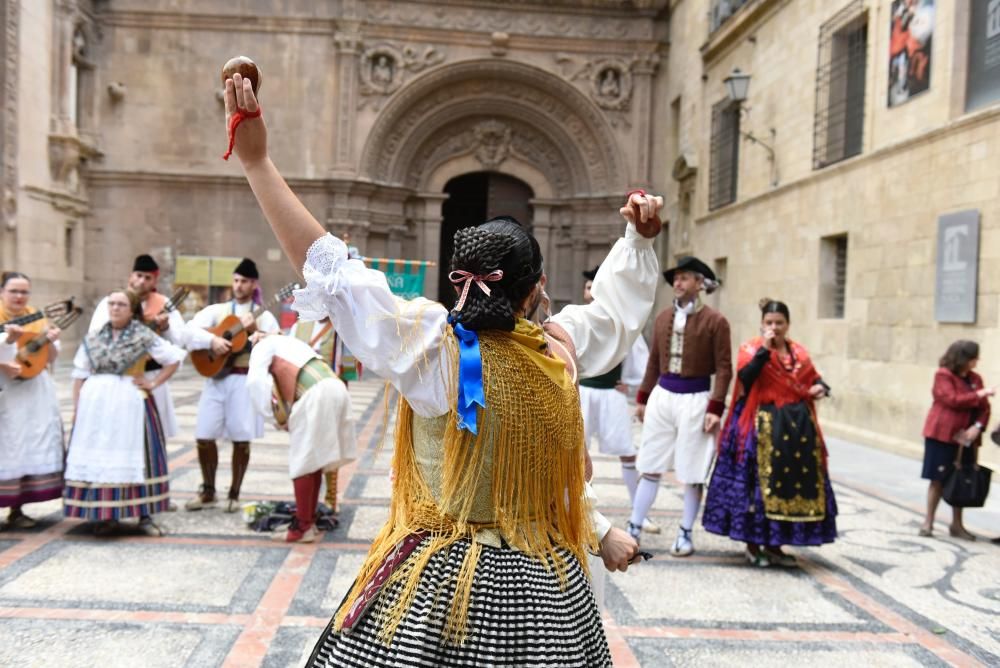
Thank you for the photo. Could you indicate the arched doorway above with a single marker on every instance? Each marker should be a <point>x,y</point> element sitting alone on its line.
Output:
<point>472,199</point>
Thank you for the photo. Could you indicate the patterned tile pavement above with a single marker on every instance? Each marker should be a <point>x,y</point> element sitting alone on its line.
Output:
<point>214,593</point>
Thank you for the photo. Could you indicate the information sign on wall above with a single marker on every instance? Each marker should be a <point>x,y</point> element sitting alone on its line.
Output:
<point>957,267</point>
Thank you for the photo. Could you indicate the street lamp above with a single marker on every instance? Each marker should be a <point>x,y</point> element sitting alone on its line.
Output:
<point>737,85</point>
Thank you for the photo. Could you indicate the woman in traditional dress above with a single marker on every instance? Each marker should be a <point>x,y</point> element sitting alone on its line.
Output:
<point>482,561</point>
<point>117,464</point>
<point>770,486</point>
<point>31,435</point>
<point>960,412</point>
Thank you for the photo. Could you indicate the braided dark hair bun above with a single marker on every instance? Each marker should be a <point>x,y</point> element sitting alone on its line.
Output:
<point>498,244</point>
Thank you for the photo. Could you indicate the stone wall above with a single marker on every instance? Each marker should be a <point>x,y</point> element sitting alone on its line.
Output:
<point>920,160</point>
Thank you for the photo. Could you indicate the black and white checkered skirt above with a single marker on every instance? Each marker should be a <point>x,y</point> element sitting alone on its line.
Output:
<point>518,616</point>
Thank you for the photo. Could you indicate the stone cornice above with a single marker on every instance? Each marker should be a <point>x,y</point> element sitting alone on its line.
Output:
<point>153,20</point>
<point>105,178</point>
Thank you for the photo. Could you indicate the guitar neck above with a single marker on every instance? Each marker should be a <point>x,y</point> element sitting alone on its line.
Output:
<point>23,320</point>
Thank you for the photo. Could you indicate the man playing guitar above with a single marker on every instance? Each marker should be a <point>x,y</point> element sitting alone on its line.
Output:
<point>168,324</point>
<point>224,410</point>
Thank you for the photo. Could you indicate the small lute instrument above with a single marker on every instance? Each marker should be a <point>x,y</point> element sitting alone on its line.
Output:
<point>51,311</point>
<point>34,351</point>
<point>180,294</point>
<point>231,328</point>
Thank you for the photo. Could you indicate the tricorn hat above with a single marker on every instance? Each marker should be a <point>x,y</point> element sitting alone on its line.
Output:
<point>145,263</point>
<point>689,263</point>
<point>247,269</point>
<point>592,273</point>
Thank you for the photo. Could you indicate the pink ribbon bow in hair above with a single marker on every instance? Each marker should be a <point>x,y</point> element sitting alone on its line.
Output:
<point>457,277</point>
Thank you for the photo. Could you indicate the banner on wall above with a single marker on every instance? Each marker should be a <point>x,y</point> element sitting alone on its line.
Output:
<point>911,33</point>
<point>405,277</point>
<point>983,85</point>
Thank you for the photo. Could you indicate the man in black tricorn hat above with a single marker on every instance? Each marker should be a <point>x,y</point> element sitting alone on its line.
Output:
<point>679,405</point>
<point>604,405</point>
<point>171,326</point>
<point>224,410</point>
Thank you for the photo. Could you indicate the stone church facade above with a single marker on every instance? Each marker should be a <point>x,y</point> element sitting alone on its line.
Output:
<point>396,122</point>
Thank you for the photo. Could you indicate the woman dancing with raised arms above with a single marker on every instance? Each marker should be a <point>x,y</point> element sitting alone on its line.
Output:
<point>482,561</point>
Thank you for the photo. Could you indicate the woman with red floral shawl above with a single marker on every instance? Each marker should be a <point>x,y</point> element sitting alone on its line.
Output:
<point>770,485</point>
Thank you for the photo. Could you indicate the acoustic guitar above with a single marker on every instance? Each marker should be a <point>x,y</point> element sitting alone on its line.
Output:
<point>34,351</point>
<point>51,311</point>
<point>231,328</point>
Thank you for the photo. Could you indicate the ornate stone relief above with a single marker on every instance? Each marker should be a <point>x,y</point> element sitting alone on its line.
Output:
<point>491,142</point>
<point>509,20</point>
<point>384,68</point>
<point>513,90</point>
<point>608,81</point>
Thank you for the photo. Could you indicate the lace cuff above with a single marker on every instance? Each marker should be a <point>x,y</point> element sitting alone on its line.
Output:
<point>322,273</point>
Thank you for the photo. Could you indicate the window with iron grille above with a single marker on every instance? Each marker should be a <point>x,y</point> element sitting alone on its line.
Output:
<point>833,276</point>
<point>840,86</point>
<point>725,147</point>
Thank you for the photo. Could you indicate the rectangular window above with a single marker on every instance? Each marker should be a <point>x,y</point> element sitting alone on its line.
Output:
<point>68,243</point>
<point>838,129</point>
<point>725,148</point>
<point>832,276</point>
<point>723,10</point>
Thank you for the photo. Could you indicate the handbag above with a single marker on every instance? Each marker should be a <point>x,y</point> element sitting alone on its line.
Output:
<point>966,485</point>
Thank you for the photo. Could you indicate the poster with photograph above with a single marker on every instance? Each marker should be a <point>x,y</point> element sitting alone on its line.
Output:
<point>911,32</point>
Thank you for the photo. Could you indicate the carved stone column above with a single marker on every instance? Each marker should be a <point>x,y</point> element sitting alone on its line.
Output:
<point>348,42</point>
<point>542,227</point>
<point>429,233</point>
<point>8,126</point>
<point>644,70</point>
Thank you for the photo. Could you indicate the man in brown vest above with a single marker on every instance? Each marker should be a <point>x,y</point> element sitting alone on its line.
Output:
<point>679,405</point>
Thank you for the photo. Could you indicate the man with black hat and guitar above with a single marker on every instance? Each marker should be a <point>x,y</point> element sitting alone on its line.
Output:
<point>681,408</point>
<point>225,410</point>
<point>161,315</point>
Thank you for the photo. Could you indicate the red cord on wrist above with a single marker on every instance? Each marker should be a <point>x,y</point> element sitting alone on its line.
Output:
<point>629,194</point>
<point>234,122</point>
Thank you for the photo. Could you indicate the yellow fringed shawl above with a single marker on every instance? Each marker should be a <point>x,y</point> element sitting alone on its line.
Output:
<point>528,456</point>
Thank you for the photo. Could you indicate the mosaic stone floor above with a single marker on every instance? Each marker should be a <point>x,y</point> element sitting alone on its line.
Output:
<point>214,593</point>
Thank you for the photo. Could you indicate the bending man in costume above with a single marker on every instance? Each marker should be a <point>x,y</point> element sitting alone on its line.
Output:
<point>224,410</point>
<point>322,338</point>
<point>679,405</point>
<point>289,381</point>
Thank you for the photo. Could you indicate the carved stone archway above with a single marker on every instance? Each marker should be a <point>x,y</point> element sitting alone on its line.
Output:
<point>508,117</point>
<point>441,105</point>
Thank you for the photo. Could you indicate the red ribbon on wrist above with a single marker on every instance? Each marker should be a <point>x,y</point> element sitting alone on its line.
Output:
<point>234,122</point>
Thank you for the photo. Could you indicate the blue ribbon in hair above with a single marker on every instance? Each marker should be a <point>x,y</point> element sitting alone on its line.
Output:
<point>470,378</point>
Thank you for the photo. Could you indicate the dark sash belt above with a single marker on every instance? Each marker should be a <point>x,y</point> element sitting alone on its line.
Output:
<point>681,385</point>
<point>152,365</point>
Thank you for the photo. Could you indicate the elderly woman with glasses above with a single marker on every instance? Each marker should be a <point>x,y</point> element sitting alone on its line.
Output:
<point>117,465</point>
